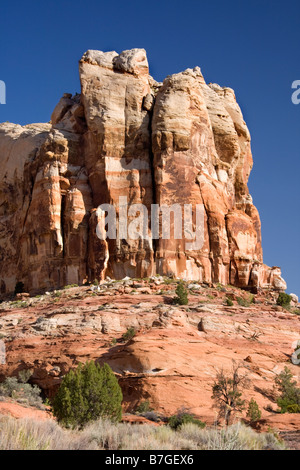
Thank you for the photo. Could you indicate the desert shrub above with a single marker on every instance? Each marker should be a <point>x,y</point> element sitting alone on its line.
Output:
<point>294,408</point>
<point>227,392</point>
<point>143,407</point>
<point>295,311</point>
<point>24,375</point>
<point>253,412</point>
<point>181,294</point>
<point>57,294</point>
<point>19,389</point>
<point>289,398</point>
<point>29,434</point>
<point>284,300</point>
<point>135,437</point>
<point>183,417</point>
<point>229,302</point>
<point>86,394</point>
<point>19,304</point>
<point>168,280</point>
<point>245,302</point>
<point>234,437</point>
<point>24,434</point>
<point>130,333</point>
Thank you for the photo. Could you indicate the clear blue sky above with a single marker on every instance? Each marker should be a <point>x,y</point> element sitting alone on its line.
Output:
<point>252,46</point>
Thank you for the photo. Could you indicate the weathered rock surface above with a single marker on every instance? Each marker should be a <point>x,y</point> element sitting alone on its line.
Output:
<point>128,139</point>
<point>18,411</point>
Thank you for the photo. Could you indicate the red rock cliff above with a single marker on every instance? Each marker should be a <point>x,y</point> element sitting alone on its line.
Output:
<point>127,136</point>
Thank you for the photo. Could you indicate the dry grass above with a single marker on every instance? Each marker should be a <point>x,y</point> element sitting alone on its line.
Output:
<point>25,434</point>
<point>28,434</point>
<point>235,437</point>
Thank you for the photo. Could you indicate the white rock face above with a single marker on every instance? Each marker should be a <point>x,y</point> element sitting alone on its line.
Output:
<point>295,299</point>
<point>133,61</point>
<point>61,108</point>
<point>222,175</point>
<point>278,282</point>
<point>103,59</point>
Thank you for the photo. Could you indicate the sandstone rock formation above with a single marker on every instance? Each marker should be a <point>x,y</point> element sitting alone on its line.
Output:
<point>128,138</point>
<point>173,358</point>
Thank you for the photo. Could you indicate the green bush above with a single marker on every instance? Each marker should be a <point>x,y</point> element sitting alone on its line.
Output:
<point>181,294</point>
<point>57,293</point>
<point>19,389</point>
<point>168,281</point>
<point>253,412</point>
<point>293,408</point>
<point>143,407</point>
<point>176,421</point>
<point>289,392</point>
<point>284,300</point>
<point>229,302</point>
<point>130,333</point>
<point>295,311</point>
<point>244,302</point>
<point>86,394</point>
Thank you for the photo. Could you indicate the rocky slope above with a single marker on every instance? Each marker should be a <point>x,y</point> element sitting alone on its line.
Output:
<point>129,138</point>
<point>173,358</point>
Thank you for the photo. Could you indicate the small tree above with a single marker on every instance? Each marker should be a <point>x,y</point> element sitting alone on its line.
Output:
<point>183,416</point>
<point>86,394</point>
<point>181,295</point>
<point>227,393</point>
<point>143,407</point>
<point>284,300</point>
<point>130,333</point>
<point>253,412</point>
<point>245,302</point>
<point>229,302</point>
<point>289,399</point>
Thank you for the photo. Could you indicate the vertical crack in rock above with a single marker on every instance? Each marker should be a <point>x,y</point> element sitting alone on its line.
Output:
<point>148,104</point>
<point>62,222</point>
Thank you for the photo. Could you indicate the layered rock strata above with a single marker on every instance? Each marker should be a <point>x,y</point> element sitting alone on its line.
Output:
<point>176,352</point>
